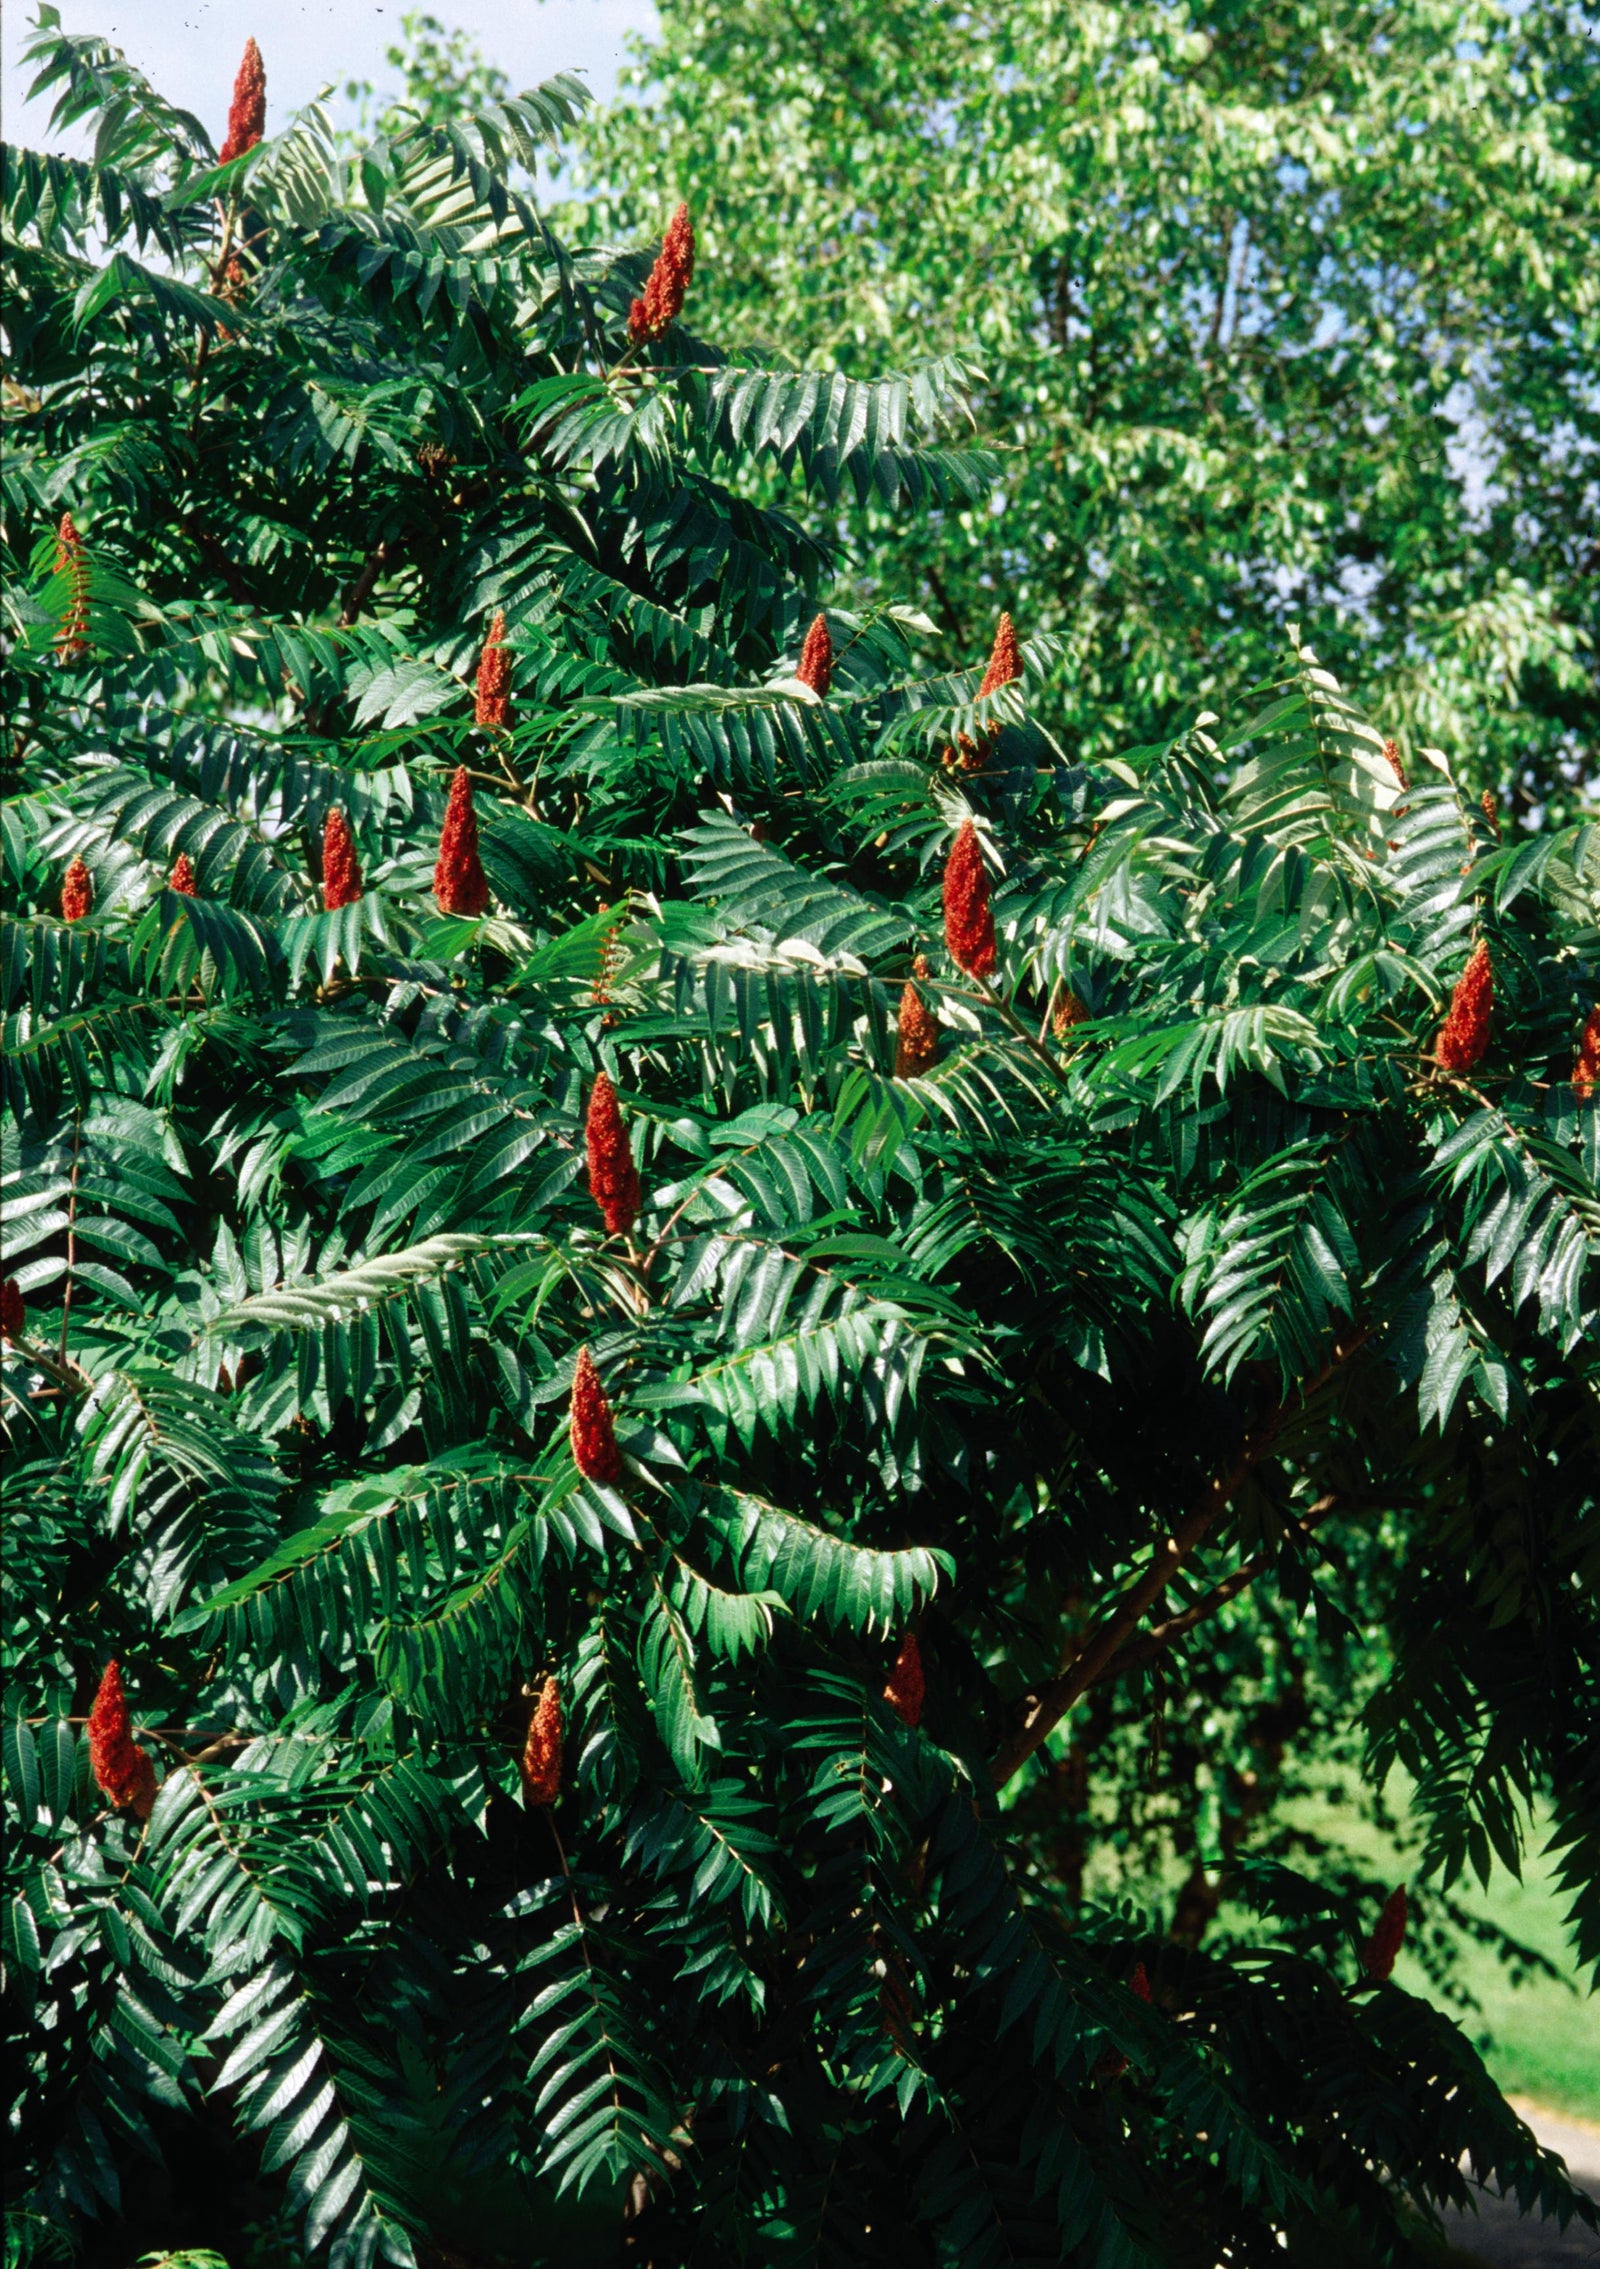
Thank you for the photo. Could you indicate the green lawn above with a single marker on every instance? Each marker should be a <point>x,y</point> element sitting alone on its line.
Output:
<point>1539,2039</point>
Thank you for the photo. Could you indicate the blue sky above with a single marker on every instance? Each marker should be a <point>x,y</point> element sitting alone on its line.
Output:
<point>190,48</point>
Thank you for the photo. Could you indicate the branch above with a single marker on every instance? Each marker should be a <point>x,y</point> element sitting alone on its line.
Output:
<point>1046,1708</point>
<point>63,1370</point>
<point>1161,1636</point>
<point>360,591</point>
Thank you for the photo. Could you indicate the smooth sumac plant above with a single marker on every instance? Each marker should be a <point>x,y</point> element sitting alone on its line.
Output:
<point>630,1285</point>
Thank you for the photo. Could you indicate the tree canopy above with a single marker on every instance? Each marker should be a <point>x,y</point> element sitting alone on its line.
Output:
<point>1286,313</point>
<point>656,1246</point>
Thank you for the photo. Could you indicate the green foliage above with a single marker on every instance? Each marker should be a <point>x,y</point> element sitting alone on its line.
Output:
<point>1286,313</point>
<point>1223,1291</point>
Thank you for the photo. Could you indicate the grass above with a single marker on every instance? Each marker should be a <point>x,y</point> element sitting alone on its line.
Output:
<point>1538,2038</point>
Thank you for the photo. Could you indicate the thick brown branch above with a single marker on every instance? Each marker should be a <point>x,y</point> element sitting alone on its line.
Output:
<point>360,591</point>
<point>1161,1635</point>
<point>1050,1704</point>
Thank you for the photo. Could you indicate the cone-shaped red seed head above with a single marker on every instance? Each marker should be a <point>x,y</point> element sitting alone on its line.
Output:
<point>1464,1034</point>
<point>1070,1009</point>
<point>77,892</point>
<point>905,1688</point>
<point>1379,1954</point>
<point>541,1752</point>
<point>1005,659</point>
<point>459,882</point>
<point>1391,750</point>
<point>816,659</point>
<point>247,113</point>
<point>916,1035</point>
<point>613,1181</point>
<point>72,639</point>
<point>494,677</point>
<point>1491,812</point>
<point>1586,1070</point>
<point>968,920</point>
<point>677,249</point>
<point>594,1440</point>
<point>181,878</point>
<point>13,1311</point>
<point>668,281</point>
<point>121,1768</point>
<point>341,869</point>
<point>1139,1982</point>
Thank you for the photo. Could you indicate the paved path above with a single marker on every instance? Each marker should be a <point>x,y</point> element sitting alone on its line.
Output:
<point>1500,2238</point>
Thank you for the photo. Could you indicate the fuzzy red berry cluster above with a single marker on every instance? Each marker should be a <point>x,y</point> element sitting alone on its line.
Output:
<point>493,690</point>
<point>592,1431</point>
<point>540,1762</point>
<point>122,1770</point>
<point>968,918</point>
<point>72,639</point>
<point>1464,1035</point>
<point>816,659</point>
<point>341,869</point>
<point>906,1685</point>
<point>916,1046</point>
<point>459,882</point>
<point>77,892</point>
<point>613,1177</point>
<point>247,113</point>
<point>668,283</point>
<point>1382,1949</point>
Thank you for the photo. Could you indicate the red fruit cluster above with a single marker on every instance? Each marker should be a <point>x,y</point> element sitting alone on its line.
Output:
<point>247,113</point>
<point>1003,667</point>
<point>459,882</point>
<point>72,639</point>
<point>1464,1035</point>
<point>917,1031</point>
<point>1379,1954</point>
<point>541,1752</point>
<point>1070,1009</point>
<point>906,1686</point>
<point>1005,659</point>
<point>77,892</point>
<point>1391,750</point>
<point>613,1178</point>
<point>341,869</point>
<point>121,1768</point>
<point>594,1439</point>
<point>668,281</point>
<point>816,659</point>
<point>181,878</point>
<point>13,1311</point>
<point>1586,1070</point>
<point>968,920</point>
<point>494,677</point>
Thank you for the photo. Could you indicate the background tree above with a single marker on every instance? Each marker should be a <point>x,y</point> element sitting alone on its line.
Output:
<point>443,73</point>
<point>1287,313</point>
<point>602,1187</point>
